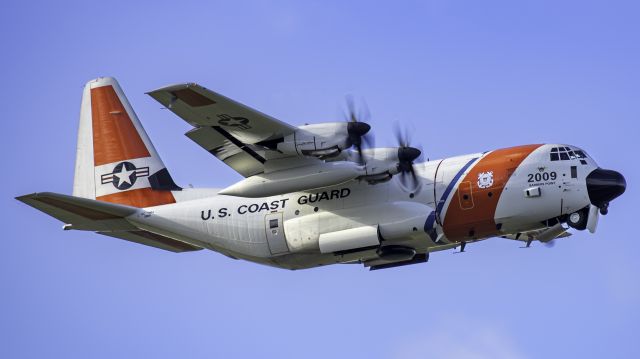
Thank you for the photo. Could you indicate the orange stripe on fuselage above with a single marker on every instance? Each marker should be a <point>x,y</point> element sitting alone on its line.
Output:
<point>142,197</point>
<point>472,217</point>
<point>115,138</point>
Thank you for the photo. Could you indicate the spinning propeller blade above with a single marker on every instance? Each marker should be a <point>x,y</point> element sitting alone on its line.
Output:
<point>592,220</point>
<point>357,129</point>
<point>407,155</point>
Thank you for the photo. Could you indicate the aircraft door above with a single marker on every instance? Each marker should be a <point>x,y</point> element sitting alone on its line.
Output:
<point>274,228</point>
<point>570,188</point>
<point>465,195</point>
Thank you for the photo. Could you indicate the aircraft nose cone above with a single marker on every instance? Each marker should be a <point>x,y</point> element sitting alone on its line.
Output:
<point>604,185</point>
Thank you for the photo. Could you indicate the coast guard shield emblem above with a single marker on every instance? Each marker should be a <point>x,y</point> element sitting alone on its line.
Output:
<point>485,179</point>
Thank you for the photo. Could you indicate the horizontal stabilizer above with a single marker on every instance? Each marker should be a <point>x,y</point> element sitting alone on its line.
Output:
<point>153,240</point>
<point>81,213</point>
<point>102,217</point>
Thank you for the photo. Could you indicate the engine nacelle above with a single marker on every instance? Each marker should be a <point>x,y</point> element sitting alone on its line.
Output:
<point>380,163</point>
<point>379,160</point>
<point>318,140</point>
<point>304,178</point>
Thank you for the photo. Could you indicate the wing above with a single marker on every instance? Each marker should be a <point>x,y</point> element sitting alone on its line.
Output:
<point>238,135</point>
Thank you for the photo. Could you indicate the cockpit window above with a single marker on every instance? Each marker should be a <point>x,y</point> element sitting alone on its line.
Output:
<point>580,154</point>
<point>565,154</point>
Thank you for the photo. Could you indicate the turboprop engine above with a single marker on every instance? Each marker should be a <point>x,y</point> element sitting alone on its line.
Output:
<point>324,139</point>
<point>380,164</point>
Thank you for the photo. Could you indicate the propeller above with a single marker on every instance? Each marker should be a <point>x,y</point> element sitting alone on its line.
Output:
<point>407,156</point>
<point>357,129</point>
<point>592,220</point>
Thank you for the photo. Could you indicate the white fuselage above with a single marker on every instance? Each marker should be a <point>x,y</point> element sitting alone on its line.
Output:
<point>459,199</point>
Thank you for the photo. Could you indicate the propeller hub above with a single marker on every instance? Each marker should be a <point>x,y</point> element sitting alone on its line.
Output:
<point>358,128</point>
<point>408,154</point>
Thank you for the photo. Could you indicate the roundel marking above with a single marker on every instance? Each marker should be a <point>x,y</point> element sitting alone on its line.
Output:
<point>124,175</point>
<point>234,122</point>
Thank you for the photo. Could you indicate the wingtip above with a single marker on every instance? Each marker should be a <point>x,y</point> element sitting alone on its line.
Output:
<point>34,195</point>
<point>26,196</point>
<point>172,87</point>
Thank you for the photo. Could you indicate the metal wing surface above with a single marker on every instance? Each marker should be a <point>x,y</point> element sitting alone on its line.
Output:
<point>241,137</point>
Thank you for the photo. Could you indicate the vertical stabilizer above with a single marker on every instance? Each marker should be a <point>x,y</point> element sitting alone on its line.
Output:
<point>115,160</point>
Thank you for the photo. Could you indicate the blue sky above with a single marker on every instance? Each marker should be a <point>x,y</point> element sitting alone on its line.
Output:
<point>466,76</point>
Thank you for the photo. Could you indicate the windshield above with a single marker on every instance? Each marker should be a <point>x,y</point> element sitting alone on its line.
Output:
<point>565,153</point>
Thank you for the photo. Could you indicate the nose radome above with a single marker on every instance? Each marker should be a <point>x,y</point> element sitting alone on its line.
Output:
<point>604,186</point>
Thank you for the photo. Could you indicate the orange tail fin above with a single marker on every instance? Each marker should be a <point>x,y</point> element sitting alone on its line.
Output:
<point>115,161</point>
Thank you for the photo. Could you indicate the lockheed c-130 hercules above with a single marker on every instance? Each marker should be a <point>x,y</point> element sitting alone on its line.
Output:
<point>315,194</point>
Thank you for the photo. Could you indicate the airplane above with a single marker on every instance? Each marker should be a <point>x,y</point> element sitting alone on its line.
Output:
<point>315,194</point>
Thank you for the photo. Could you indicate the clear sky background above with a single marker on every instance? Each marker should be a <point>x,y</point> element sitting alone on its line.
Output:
<point>468,76</point>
